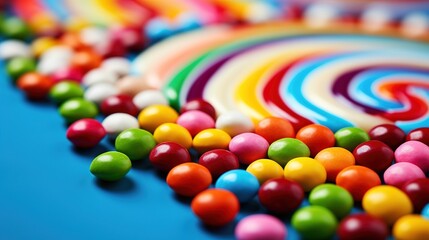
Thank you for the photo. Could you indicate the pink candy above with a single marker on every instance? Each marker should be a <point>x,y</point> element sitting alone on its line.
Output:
<point>195,121</point>
<point>400,173</point>
<point>249,147</point>
<point>414,152</point>
<point>260,226</point>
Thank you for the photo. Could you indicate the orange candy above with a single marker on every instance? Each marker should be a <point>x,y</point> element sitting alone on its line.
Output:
<point>357,180</point>
<point>36,86</point>
<point>274,128</point>
<point>317,137</point>
<point>335,159</point>
<point>73,40</point>
<point>189,179</point>
<point>86,60</point>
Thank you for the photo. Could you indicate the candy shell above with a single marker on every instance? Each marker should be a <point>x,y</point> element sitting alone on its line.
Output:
<point>189,179</point>
<point>418,192</point>
<point>350,137</point>
<point>201,105</point>
<point>85,133</point>
<point>362,226</point>
<point>77,108</point>
<point>97,93</point>
<point>414,152</point>
<point>374,154</point>
<point>357,180</point>
<point>195,121</point>
<point>218,161</point>
<point>265,169</point>
<point>316,137</point>
<point>308,172</point>
<point>172,132</point>
<point>167,155</point>
<point>118,122</point>
<point>18,66</point>
<point>98,75</point>
<point>335,159</point>
<point>110,166</point>
<point>285,149</point>
<point>14,48</point>
<point>274,128</point>
<point>118,103</point>
<point>153,116</point>
<point>234,123</point>
<point>132,85</point>
<point>149,97</point>
<point>419,134</point>
<point>314,222</point>
<point>240,182</point>
<point>69,73</point>
<point>86,60</point>
<point>411,227</point>
<point>400,173</point>
<point>35,86</point>
<point>210,139</point>
<point>64,91</point>
<point>248,147</point>
<point>118,65</point>
<point>281,196</point>
<point>260,226</point>
<point>135,143</point>
<point>389,134</point>
<point>337,199</point>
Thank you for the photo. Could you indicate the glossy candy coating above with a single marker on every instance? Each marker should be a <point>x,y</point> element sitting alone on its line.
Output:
<point>337,199</point>
<point>14,27</point>
<point>201,105</point>
<point>350,137</point>
<point>400,173</point>
<point>85,133</point>
<point>14,48</point>
<point>98,75</point>
<point>118,103</point>
<point>118,122</point>
<point>418,192</point>
<point>35,86</point>
<point>425,211</point>
<point>149,97</point>
<point>317,137</point>
<point>18,66</point>
<point>40,45</point>
<point>335,159</point>
<point>389,134</point>
<point>285,149</point>
<point>265,169</point>
<point>260,226</point>
<point>135,143</point>
<point>120,66</point>
<point>362,226</point>
<point>210,139</point>
<point>167,155</point>
<point>240,182</point>
<point>172,132</point>
<point>110,166</point>
<point>97,93</point>
<point>374,154</point>
<point>153,116</point>
<point>414,152</point>
<point>248,147</point>
<point>68,73</point>
<point>280,196</point>
<point>77,108</point>
<point>308,172</point>
<point>314,222</point>
<point>234,123</point>
<point>86,60</point>
<point>274,128</point>
<point>189,179</point>
<point>411,227</point>
<point>357,180</point>
<point>419,134</point>
<point>218,161</point>
<point>195,121</point>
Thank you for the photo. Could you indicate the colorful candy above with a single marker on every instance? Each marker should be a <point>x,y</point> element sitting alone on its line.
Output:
<point>147,98</point>
<point>172,132</point>
<point>97,93</point>
<point>241,183</point>
<point>35,86</point>
<point>210,139</point>
<point>374,154</point>
<point>357,180</point>
<point>281,196</point>
<point>285,149</point>
<point>337,199</point>
<point>110,166</point>
<point>189,179</point>
<point>118,65</point>
<point>411,227</point>
<point>400,173</point>
<point>195,121</point>
<point>314,222</point>
<point>219,161</point>
<point>14,48</point>
<point>335,159</point>
<point>248,147</point>
<point>201,105</point>
<point>414,152</point>
<point>77,108</point>
<point>260,226</point>
<point>308,172</point>
<point>234,123</point>
<point>135,143</point>
<point>98,75</point>
<point>418,192</point>
<point>265,169</point>
<point>118,122</point>
<point>419,134</point>
<point>153,116</point>
<point>362,226</point>
<point>317,137</point>
<point>18,66</point>
<point>274,128</point>
<point>85,133</point>
<point>389,134</point>
<point>350,137</point>
<point>118,104</point>
<point>167,155</point>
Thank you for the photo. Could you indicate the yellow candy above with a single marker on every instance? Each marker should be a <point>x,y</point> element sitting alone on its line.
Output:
<point>210,139</point>
<point>40,45</point>
<point>44,23</point>
<point>411,227</point>
<point>172,132</point>
<point>308,172</point>
<point>76,24</point>
<point>265,169</point>
<point>153,116</point>
<point>387,202</point>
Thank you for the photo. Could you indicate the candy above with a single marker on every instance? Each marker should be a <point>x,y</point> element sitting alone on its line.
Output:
<point>189,179</point>
<point>98,75</point>
<point>172,132</point>
<point>400,173</point>
<point>147,98</point>
<point>14,48</point>
<point>118,65</point>
<point>201,105</point>
<point>218,161</point>
<point>387,202</point>
<point>34,85</point>
<point>425,211</point>
<point>118,104</point>
<point>135,143</point>
<point>13,27</point>
<point>118,122</point>
<point>414,152</point>
<point>265,169</point>
<point>350,137</point>
<point>234,123</point>
<point>335,159</point>
<point>357,180</point>
<point>260,226</point>
<point>210,139</point>
<point>389,134</point>
<point>316,137</point>
<point>110,166</point>
<point>280,196</point>
<point>64,91</point>
<point>68,73</point>
<point>96,37</point>
<point>85,133</point>
<point>314,222</point>
<point>418,192</point>
<point>362,226</point>
<point>215,207</point>
<point>374,154</point>
<point>86,60</point>
<point>54,59</point>
<point>195,121</point>
<point>132,85</point>
<point>77,108</point>
<point>153,116</point>
<point>42,44</point>
<point>285,149</point>
<point>97,93</point>
<point>248,147</point>
<point>167,155</point>
<point>419,134</point>
<point>241,183</point>
<point>131,37</point>
<point>18,66</point>
<point>411,227</point>
<point>308,172</point>
<point>337,199</point>
<point>274,128</point>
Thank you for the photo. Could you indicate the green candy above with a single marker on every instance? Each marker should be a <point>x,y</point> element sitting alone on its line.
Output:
<point>135,143</point>
<point>285,149</point>
<point>14,27</point>
<point>338,200</point>
<point>65,90</point>
<point>18,66</point>
<point>314,222</point>
<point>350,137</point>
<point>110,166</point>
<point>77,108</point>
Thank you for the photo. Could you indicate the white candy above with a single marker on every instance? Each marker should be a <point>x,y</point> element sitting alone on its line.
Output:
<point>119,65</point>
<point>415,24</point>
<point>54,59</point>
<point>147,98</point>
<point>319,15</point>
<point>14,48</point>
<point>98,92</point>
<point>98,75</point>
<point>96,37</point>
<point>234,123</point>
<point>375,18</point>
<point>58,53</point>
<point>118,122</point>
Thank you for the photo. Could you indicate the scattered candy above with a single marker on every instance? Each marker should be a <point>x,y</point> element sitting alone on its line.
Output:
<point>167,155</point>
<point>85,133</point>
<point>418,192</point>
<point>41,45</point>
<point>248,147</point>
<point>419,134</point>
<point>400,173</point>
<point>34,85</point>
<point>172,132</point>
<point>98,75</point>
<point>411,227</point>
<point>135,143</point>
<point>241,183</point>
<point>147,98</point>
<point>314,222</point>
<point>337,199</point>
<point>350,137</point>
<point>195,121</point>
<point>316,137</point>
<point>189,179</point>
<point>153,116</point>
<point>77,108</point>
<point>86,60</point>
<point>18,66</point>
<point>68,73</point>
<point>260,226</point>
<point>414,152</point>
<point>65,90</point>
<point>265,169</point>
<point>14,48</point>
<point>308,172</point>
<point>218,161</point>
<point>362,226</point>
<point>118,122</point>
<point>285,149</point>
<point>425,211</point>
<point>118,104</point>
<point>110,166</point>
<point>281,196</point>
<point>118,65</point>
<point>132,85</point>
<point>201,105</point>
<point>374,154</point>
<point>234,123</point>
<point>14,27</point>
<point>273,129</point>
<point>357,180</point>
<point>97,93</point>
<point>210,139</point>
<point>389,134</point>
<point>335,159</point>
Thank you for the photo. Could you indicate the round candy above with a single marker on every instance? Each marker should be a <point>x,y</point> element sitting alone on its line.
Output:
<point>167,155</point>
<point>153,116</point>
<point>260,226</point>
<point>411,227</point>
<point>218,161</point>
<point>390,134</point>
<point>335,159</point>
<point>337,199</point>
<point>68,73</point>
<point>317,137</point>
<point>18,66</point>
<point>77,108</point>
<point>97,93</point>
<point>85,133</point>
<point>172,132</point>
<point>374,154</point>
<point>265,169</point>
<point>240,182</point>
<point>86,60</point>
<point>98,75</point>
<point>418,192</point>
<point>234,123</point>
<point>189,179</point>
<point>387,202</point>
<point>135,143</point>
<point>350,137</point>
<point>362,226</point>
<point>215,207</point>
<point>201,105</point>
<point>414,152</point>
<point>195,121</point>
<point>110,166</point>
<point>357,180</point>
<point>210,139</point>
<point>40,45</point>
<point>248,147</point>
<point>35,86</point>
<point>400,173</point>
<point>72,40</point>
<point>14,27</point>
<point>419,134</point>
<point>149,97</point>
<point>308,172</point>
<point>274,128</point>
<point>314,222</point>
<point>14,48</point>
<point>64,91</point>
<point>120,66</point>
<point>119,104</point>
<point>132,85</point>
<point>118,122</point>
<point>425,211</point>
<point>285,149</point>
<point>54,59</point>
<point>281,196</point>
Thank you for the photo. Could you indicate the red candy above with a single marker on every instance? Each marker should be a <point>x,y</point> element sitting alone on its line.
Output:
<point>419,134</point>
<point>357,180</point>
<point>35,86</point>
<point>85,133</point>
<point>167,155</point>
<point>389,134</point>
<point>316,137</point>
<point>189,179</point>
<point>119,104</point>
<point>374,154</point>
<point>219,161</point>
<point>418,192</point>
<point>274,128</point>
<point>362,226</point>
<point>201,105</point>
<point>70,73</point>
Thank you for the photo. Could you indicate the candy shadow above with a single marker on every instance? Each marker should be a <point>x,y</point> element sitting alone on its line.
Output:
<point>125,185</point>
<point>251,207</point>
<point>142,165</point>
<point>225,231</point>
<point>90,152</point>
<point>183,200</point>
